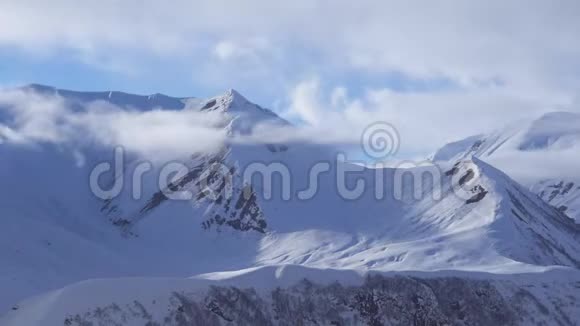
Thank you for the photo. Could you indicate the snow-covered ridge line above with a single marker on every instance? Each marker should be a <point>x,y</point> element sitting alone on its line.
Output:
<point>229,99</point>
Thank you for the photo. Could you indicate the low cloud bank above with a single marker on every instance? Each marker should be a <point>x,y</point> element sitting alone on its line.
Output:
<point>28,118</point>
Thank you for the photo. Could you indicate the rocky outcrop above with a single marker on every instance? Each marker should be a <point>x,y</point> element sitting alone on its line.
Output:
<point>562,194</point>
<point>222,197</point>
<point>396,300</point>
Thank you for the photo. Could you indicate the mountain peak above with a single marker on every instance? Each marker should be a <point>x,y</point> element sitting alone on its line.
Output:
<point>234,94</point>
<point>232,99</point>
<point>233,102</point>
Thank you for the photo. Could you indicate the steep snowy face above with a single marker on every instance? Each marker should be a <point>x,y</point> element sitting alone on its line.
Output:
<point>525,228</point>
<point>477,218</point>
<point>540,154</point>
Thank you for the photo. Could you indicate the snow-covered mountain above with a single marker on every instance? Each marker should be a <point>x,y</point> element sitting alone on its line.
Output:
<point>552,131</point>
<point>466,245</point>
<point>541,153</point>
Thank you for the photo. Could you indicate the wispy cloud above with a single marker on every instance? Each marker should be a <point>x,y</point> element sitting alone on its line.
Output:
<point>531,166</point>
<point>425,121</point>
<point>33,118</point>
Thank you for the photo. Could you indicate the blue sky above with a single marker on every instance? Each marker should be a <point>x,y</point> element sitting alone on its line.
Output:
<point>156,75</point>
<point>436,71</point>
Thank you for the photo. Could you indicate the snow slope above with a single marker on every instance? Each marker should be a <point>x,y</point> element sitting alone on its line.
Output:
<point>470,219</point>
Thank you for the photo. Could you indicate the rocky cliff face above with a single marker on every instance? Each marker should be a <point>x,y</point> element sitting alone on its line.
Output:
<point>218,194</point>
<point>381,300</point>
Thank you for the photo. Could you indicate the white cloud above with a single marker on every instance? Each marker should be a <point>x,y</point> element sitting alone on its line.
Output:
<point>425,121</point>
<point>305,102</point>
<point>250,49</point>
<point>162,134</point>
<point>156,133</point>
<point>554,164</point>
<point>226,50</point>
<point>527,45</point>
<point>35,117</point>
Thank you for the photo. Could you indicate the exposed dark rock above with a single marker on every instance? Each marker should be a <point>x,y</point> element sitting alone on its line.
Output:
<point>276,148</point>
<point>518,216</point>
<point>563,208</point>
<point>207,182</point>
<point>476,145</point>
<point>395,300</point>
<point>466,177</point>
<point>158,198</point>
<point>248,213</point>
<point>453,170</point>
<point>121,222</point>
<point>208,105</point>
<point>568,187</point>
<point>480,193</point>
